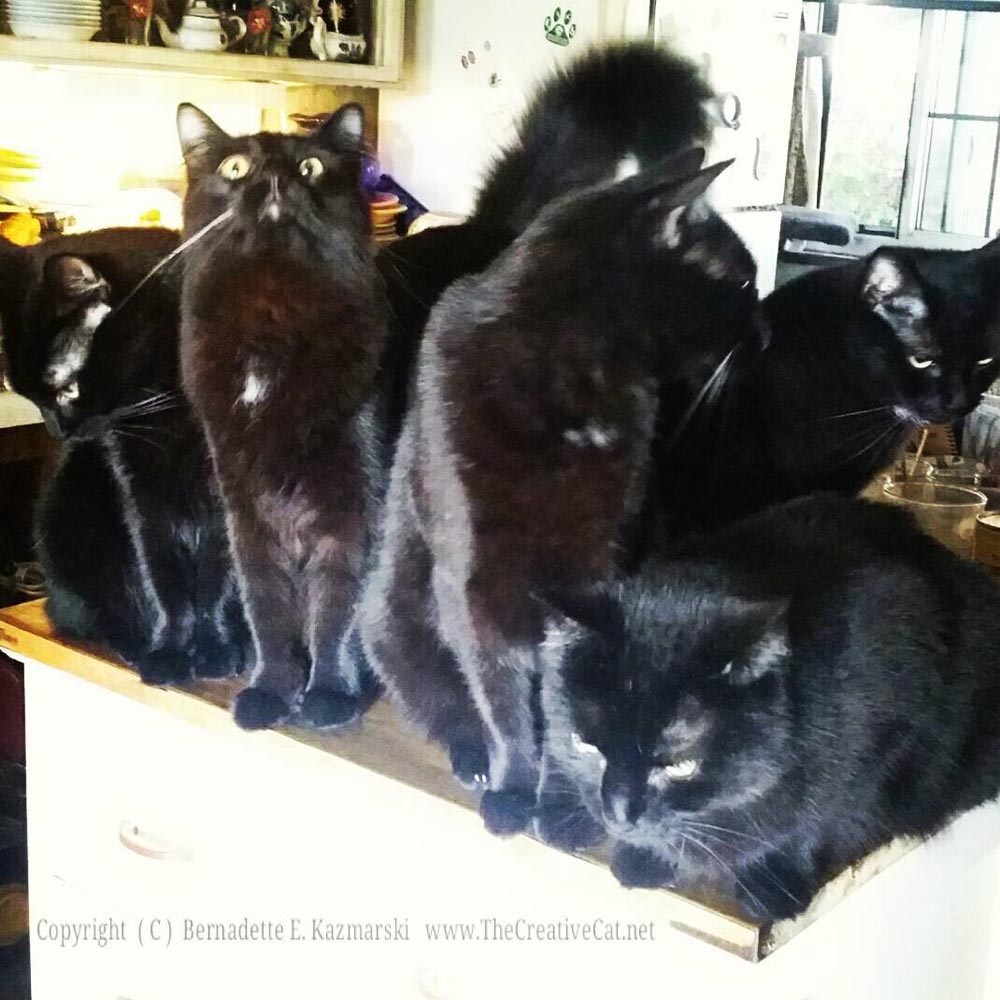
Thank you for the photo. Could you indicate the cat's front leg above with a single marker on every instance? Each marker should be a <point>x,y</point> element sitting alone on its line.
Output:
<point>398,629</point>
<point>271,601</point>
<point>341,685</point>
<point>777,886</point>
<point>562,818</point>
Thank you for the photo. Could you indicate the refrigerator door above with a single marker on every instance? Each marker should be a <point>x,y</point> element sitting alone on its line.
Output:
<point>473,65</point>
<point>748,51</point>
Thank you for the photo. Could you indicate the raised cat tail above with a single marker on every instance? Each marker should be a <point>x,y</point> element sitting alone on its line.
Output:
<point>612,113</point>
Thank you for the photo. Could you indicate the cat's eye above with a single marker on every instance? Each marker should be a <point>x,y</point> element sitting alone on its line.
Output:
<point>680,770</point>
<point>234,168</point>
<point>311,168</point>
<point>68,394</point>
<point>919,362</point>
<point>983,362</point>
<point>580,745</point>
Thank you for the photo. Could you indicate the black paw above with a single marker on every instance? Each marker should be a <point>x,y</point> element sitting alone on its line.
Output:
<point>325,708</point>
<point>255,708</point>
<point>165,667</point>
<point>507,812</point>
<point>568,828</point>
<point>470,764</point>
<point>214,660</point>
<point>637,868</point>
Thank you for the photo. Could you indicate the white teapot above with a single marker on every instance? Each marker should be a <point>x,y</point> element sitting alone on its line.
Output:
<point>203,29</point>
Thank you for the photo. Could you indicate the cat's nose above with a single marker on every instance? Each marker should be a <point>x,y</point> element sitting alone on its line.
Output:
<point>272,207</point>
<point>621,801</point>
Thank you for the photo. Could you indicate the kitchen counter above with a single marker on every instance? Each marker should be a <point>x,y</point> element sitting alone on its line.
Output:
<point>148,803</point>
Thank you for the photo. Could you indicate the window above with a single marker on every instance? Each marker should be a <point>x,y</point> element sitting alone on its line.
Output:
<point>912,139</point>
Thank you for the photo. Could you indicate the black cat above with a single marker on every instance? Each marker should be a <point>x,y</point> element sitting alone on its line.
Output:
<point>852,359</point>
<point>523,459</point>
<point>284,331</point>
<point>130,528</point>
<point>614,112</point>
<point>783,697</point>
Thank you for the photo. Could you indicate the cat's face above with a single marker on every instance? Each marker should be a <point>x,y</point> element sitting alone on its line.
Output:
<point>668,707</point>
<point>927,329</point>
<point>51,337</point>
<point>291,192</point>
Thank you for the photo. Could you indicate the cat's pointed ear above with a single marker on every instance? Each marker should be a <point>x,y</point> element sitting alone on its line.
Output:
<point>71,279</point>
<point>344,130</point>
<point>198,135</point>
<point>769,647</point>
<point>890,289</point>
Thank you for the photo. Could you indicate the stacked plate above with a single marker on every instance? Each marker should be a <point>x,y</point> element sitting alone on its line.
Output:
<point>385,210</point>
<point>55,20</point>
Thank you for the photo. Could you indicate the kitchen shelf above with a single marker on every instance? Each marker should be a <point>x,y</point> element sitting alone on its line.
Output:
<point>111,56</point>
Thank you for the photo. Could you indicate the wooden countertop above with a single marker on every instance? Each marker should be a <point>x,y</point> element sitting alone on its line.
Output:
<point>383,744</point>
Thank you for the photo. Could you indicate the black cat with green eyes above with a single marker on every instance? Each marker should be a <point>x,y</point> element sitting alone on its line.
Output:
<point>850,361</point>
<point>283,331</point>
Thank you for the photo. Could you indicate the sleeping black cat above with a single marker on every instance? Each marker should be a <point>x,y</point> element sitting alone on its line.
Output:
<point>853,358</point>
<point>130,527</point>
<point>783,697</point>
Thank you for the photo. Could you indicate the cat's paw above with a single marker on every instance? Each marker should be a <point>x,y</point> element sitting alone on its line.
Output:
<point>507,812</point>
<point>216,660</point>
<point>165,667</point>
<point>255,708</point>
<point>470,763</point>
<point>637,868</point>
<point>326,708</point>
<point>569,829</point>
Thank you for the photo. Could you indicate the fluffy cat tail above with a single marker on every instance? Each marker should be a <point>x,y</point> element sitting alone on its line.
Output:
<point>613,112</point>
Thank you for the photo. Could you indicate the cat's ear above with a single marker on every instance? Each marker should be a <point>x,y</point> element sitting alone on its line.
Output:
<point>768,650</point>
<point>677,202</point>
<point>70,280</point>
<point>344,130</point>
<point>889,286</point>
<point>571,613</point>
<point>198,135</point>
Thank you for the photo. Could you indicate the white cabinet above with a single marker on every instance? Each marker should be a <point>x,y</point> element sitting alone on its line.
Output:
<point>153,819</point>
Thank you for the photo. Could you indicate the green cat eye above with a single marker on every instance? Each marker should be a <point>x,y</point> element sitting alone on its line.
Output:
<point>919,362</point>
<point>984,362</point>
<point>234,168</point>
<point>311,168</point>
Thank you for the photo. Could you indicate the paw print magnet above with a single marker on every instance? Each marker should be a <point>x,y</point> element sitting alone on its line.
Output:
<point>560,27</point>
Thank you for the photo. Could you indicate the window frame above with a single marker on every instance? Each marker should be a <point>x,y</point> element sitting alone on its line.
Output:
<point>915,162</point>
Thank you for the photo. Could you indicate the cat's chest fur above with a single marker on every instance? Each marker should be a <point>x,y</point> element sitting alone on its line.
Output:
<point>279,345</point>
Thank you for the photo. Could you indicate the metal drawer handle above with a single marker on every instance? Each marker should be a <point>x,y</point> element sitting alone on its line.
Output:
<point>147,845</point>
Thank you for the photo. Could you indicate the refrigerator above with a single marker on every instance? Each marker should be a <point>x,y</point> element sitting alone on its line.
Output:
<point>471,65</point>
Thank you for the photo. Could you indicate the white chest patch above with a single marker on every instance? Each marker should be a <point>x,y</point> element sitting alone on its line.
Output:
<point>255,389</point>
<point>72,347</point>
<point>628,166</point>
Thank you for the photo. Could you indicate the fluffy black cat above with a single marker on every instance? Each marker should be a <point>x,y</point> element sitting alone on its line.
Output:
<point>130,528</point>
<point>522,462</point>
<point>614,112</point>
<point>783,697</point>
<point>852,360</point>
<point>284,329</point>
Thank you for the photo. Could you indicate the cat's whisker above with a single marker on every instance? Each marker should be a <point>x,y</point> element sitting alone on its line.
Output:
<point>697,824</point>
<point>857,413</point>
<point>709,391</point>
<point>221,218</point>
<point>732,873</point>
<point>894,426</point>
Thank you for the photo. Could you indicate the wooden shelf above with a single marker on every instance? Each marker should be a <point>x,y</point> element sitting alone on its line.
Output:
<point>113,57</point>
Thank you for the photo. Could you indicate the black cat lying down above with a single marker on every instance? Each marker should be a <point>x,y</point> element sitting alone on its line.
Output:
<point>851,360</point>
<point>130,528</point>
<point>781,698</point>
